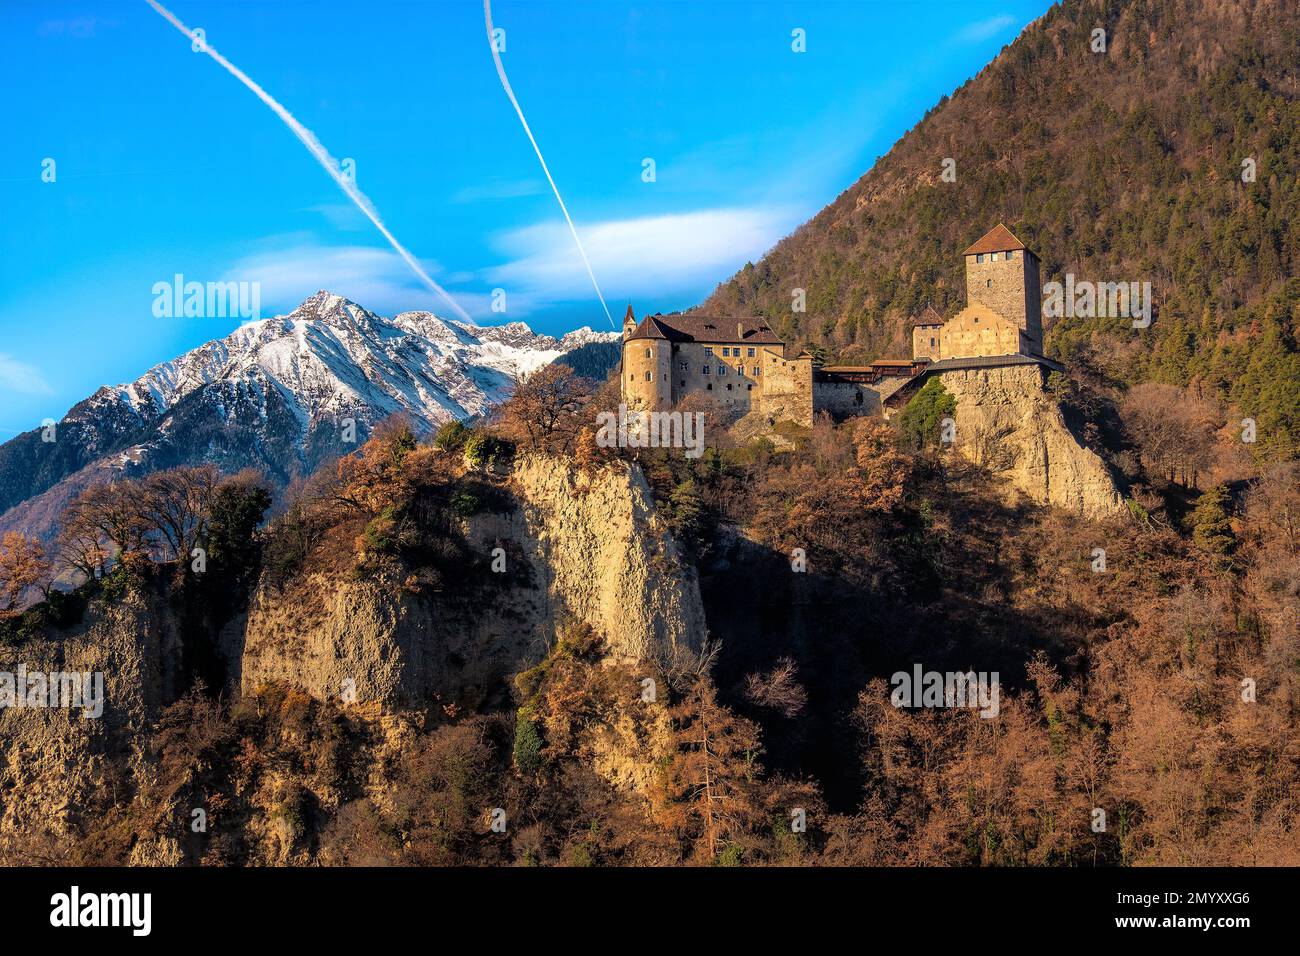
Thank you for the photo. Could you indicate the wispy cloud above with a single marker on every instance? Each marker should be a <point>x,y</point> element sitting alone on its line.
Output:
<point>674,255</point>
<point>498,189</point>
<point>292,268</point>
<point>16,376</point>
<point>649,255</point>
<point>985,29</point>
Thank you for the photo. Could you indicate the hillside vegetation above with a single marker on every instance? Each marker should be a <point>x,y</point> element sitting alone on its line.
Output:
<point>1116,166</point>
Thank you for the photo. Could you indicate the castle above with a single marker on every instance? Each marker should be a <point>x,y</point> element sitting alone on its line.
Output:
<point>740,365</point>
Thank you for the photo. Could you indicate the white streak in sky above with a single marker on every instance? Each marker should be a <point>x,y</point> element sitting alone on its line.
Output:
<point>322,156</point>
<point>505,83</point>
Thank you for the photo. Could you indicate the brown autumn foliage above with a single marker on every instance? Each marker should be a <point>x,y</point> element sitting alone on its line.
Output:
<point>546,411</point>
<point>162,516</point>
<point>1161,693</point>
<point>23,568</point>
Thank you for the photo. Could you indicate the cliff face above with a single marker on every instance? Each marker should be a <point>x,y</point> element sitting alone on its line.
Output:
<point>579,547</point>
<point>1008,424</point>
<point>54,761</point>
<point>602,554</point>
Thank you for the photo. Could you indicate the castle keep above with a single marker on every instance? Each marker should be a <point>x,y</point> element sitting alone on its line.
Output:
<point>740,366</point>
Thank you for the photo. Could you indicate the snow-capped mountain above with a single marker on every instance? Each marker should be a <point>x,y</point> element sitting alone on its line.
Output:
<point>275,395</point>
<point>334,358</point>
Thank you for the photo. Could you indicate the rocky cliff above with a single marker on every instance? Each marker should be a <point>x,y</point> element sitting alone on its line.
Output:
<point>55,761</point>
<point>1008,424</point>
<point>573,546</point>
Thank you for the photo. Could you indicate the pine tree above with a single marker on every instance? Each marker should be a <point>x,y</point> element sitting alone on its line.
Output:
<point>1211,526</point>
<point>710,790</point>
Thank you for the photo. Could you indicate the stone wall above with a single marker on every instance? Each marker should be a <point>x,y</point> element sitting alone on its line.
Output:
<point>787,388</point>
<point>842,399</point>
<point>978,331</point>
<point>925,341</point>
<point>745,388</point>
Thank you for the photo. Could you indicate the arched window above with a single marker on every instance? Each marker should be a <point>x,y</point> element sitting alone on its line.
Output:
<point>649,376</point>
<point>648,353</point>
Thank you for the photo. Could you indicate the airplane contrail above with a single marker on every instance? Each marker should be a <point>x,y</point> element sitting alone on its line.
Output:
<point>505,83</point>
<point>322,155</point>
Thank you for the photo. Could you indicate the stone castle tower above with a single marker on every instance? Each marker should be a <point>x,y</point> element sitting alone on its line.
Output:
<point>1002,274</point>
<point>647,363</point>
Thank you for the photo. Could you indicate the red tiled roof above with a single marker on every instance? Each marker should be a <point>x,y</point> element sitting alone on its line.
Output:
<point>690,327</point>
<point>997,239</point>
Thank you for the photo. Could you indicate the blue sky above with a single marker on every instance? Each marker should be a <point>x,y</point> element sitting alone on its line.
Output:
<point>166,164</point>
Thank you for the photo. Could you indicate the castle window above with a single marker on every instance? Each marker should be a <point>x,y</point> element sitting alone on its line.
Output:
<point>683,384</point>
<point>648,353</point>
<point>708,350</point>
<point>758,370</point>
<point>705,370</point>
<point>722,370</point>
<point>728,388</point>
<point>751,388</point>
<point>631,377</point>
<point>709,386</point>
<point>1010,255</point>
<point>988,283</point>
<point>979,257</point>
<point>685,366</point>
<point>649,376</point>
<point>993,257</point>
<point>751,353</point>
<point>932,341</point>
<point>665,376</point>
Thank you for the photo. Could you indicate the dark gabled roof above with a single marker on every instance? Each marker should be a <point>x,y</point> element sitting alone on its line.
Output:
<point>648,329</point>
<point>993,361</point>
<point>997,239</point>
<point>928,317</point>
<point>690,327</point>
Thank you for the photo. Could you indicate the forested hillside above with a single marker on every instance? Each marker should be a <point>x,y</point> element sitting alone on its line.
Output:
<point>1125,165</point>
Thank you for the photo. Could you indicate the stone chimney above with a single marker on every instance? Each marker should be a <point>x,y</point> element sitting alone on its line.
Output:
<point>740,331</point>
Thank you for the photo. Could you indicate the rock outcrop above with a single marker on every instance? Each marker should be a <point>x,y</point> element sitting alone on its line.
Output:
<point>575,547</point>
<point>1007,423</point>
<point>54,760</point>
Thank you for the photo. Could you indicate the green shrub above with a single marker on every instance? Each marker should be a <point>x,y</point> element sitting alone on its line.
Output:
<point>452,436</point>
<point>464,504</point>
<point>733,855</point>
<point>483,450</point>
<point>920,421</point>
<point>380,533</point>
<point>528,743</point>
